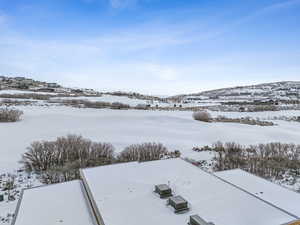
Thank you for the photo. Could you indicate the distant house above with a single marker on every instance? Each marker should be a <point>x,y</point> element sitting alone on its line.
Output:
<point>19,78</point>
<point>76,91</point>
<point>53,85</point>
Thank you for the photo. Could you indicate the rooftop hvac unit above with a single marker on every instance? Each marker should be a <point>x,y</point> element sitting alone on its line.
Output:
<point>178,203</point>
<point>163,190</point>
<point>197,220</point>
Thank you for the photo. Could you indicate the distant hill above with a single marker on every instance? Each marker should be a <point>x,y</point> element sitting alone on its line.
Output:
<point>286,90</point>
<point>28,84</point>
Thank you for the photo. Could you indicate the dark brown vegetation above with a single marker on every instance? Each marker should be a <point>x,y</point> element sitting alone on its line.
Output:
<point>271,160</point>
<point>202,116</point>
<point>143,152</point>
<point>205,116</point>
<point>60,160</point>
<point>243,120</point>
<point>10,115</point>
<point>82,103</point>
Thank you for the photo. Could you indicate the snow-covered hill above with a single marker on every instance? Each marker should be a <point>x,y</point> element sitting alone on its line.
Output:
<point>281,91</point>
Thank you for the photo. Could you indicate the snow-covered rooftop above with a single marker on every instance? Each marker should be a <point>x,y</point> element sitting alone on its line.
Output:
<point>63,204</point>
<point>123,194</point>
<point>266,190</point>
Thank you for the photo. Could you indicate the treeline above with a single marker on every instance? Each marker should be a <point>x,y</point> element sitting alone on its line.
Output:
<point>271,160</point>
<point>81,103</point>
<point>60,160</point>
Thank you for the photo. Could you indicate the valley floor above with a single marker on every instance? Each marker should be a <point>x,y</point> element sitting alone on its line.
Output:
<point>175,129</point>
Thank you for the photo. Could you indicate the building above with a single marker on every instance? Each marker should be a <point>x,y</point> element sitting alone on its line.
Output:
<point>64,204</point>
<point>125,193</point>
<point>276,195</point>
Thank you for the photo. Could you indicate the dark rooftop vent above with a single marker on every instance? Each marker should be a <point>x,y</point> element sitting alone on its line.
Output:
<point>197,220</point>
<point>163,190</point>
<point>178,203</point>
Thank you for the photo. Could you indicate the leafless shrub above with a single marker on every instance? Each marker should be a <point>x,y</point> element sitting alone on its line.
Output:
<point>119,105</point>
<point>202,116</point>
<point>270,160</point>
<point>286,118</point>
<point>261,108</point>
<point>243,120</point>
<point>60,160</point>
<point>142,106</point>
<point>10,115</point>
<point>143,152</point>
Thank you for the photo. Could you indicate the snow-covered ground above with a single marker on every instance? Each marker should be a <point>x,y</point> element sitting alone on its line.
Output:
<point>261,115</point>
<point>176,129</point>
<point>16,92</point>
<point>108,98</point>
<point>21,180</point>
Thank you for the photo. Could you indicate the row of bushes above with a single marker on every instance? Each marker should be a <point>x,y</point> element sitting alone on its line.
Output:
<point>60,160</point>
<point>91,104</point>
<point>10,115</point>
<point>272,160</point>
<point>286,118</point>
<point>243,120</point>
<point>204,116</point>
<point>99,104</point>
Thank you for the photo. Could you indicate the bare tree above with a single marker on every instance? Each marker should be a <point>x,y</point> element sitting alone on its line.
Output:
<point>266,160</point>
<point>61,160</point>
<point>143,152</point>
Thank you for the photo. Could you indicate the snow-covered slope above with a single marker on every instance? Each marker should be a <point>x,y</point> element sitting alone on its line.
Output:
<point>288,90</point>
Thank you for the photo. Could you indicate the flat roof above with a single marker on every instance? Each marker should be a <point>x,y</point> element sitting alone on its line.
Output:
<point>61,204</point>
<point>124,194</point>
<point>264,189</point>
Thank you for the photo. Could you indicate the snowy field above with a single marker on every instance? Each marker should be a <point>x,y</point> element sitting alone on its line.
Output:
<point>17,92</point>
<point>261,115</point>
<point>177,130</point>
<point>108,98</point>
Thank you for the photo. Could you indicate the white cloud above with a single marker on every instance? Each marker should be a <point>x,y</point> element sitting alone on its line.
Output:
<point>122,3</point>
<point>138,58</point>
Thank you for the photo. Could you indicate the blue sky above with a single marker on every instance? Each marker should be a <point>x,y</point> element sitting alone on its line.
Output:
<point>151,46</point>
